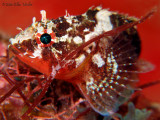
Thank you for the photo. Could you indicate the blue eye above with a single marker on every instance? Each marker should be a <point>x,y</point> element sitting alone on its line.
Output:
<point>45,38</point>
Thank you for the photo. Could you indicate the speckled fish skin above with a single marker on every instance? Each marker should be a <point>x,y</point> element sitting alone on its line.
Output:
<point>105,70</point>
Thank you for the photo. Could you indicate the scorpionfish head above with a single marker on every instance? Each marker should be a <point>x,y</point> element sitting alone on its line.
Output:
<point>33,45</point>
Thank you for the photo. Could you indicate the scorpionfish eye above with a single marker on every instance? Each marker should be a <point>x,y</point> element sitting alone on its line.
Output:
<point>45,38</point>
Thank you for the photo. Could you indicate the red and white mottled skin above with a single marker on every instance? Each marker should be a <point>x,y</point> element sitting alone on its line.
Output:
<point>86,51</point>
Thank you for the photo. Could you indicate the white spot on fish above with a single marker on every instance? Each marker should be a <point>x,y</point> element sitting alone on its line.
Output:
<point>77,40</point>
<point>50,25</point>
<point>37,53</point>
<point>13,41</point>
<point>90,36</point>
<point>80,59</point>
<point>86,30</point>
<point>69,29</point>
<point>97,59</point>
<point>64,38</point>
<point>90,81</point>
<point>103,19</point>
<point>103,24</point>
<point>25,35</point>
<point>40,29</point>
